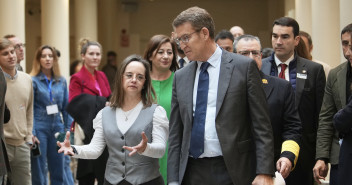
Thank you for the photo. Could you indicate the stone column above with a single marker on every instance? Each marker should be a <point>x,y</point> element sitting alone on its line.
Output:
<point>326,31</point>
<point>304,15</point>
<point>86,21</point>
<point>55,30</point>
<point>12,21</point>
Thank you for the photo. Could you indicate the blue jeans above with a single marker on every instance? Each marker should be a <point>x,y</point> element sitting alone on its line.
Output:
<point>68,178</point>
<point>49,160</point>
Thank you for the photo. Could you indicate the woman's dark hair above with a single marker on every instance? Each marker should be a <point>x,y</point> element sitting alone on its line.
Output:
<point>73,66</point>
<point>148,93</point>
<point>301,50</point>
<point>154,44</point>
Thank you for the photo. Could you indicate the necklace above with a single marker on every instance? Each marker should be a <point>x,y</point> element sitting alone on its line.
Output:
<point>127,114</point>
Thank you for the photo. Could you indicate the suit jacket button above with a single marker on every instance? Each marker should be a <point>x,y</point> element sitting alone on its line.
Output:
<point>123,175</point>
<point>122,150</point>
<point>122,137</point>
<point>123,163</point>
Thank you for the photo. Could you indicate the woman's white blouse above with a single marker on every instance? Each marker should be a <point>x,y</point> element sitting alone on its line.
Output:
<point>155,149</point>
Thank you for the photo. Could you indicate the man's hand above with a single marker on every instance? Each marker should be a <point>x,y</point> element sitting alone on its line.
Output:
<point>284,166</point>
<point>34,141</point>
<point>263,180</point>
<point>320,171</point>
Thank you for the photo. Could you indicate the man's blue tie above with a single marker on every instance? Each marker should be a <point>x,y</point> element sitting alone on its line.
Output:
<point>181,62</point>
<point>197,135</point>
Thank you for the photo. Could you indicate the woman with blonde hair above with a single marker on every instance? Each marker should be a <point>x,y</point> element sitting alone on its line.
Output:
<point>50,100</point>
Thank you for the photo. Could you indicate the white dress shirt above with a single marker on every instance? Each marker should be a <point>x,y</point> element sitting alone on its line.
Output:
<point>211,141</point>
<point>287,62</point>
<point>155,149</point>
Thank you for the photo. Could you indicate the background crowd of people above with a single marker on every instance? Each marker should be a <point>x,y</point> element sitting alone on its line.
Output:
<point>189,111</point>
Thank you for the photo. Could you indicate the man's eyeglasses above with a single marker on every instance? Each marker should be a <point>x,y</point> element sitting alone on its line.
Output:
<point>130,76</point>
<point>184,38</point>
<point>18,46</point>
<point>255,53</point>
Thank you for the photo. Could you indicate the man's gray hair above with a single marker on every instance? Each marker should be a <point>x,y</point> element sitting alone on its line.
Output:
<point>246,38</point>
<point>198,18</point>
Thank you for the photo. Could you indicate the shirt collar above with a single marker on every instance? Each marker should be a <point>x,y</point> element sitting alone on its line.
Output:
<point>41,76</point>
<point>9,76</point>
<point>287,62</point>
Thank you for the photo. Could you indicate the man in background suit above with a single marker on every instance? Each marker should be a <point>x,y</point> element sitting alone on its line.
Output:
<point>4,162</point>
<point>284,117</point>
<point>308,81</point>
<point>336,94</point>
<point>225,40</point>
<point>182,59</point>
<point>220,130</point>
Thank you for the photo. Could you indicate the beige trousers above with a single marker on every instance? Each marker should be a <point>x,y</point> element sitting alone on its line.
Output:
<point>20,163</point>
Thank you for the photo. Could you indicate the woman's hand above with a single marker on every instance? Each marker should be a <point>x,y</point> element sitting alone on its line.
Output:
<point>138,148</point>
<point>65,147</point>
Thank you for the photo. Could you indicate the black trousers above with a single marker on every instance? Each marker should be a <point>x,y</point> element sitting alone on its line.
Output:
<point>206,171</point>
<point>157,181</point>
<point>334,175</point>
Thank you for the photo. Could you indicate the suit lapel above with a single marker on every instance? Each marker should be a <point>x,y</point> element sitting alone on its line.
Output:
<point>267,84</point>
<point>224,79</point>
<point>341,83</point>
<point>300,82</point>
<point>189,73</point>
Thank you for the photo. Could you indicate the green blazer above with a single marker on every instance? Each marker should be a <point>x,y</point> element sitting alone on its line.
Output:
<point>334,99</point>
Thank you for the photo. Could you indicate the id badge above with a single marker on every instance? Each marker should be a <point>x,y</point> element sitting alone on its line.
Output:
<point>52,109</point>
<point>302,76</point>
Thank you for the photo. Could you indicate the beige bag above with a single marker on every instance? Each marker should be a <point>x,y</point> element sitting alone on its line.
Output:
<point>79,135</point>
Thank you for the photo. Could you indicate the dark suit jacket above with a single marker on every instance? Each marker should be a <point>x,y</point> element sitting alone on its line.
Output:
<point>4,162</point>
<point>242,120</point>
<point>309,96</point>
<point>283,114</point>
<point>343,123</point>
<point>334,99</point>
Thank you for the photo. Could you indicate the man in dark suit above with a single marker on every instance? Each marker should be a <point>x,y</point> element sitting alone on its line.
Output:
<point>220,130</point>
<point>283,113</point>
<point>308,81</point>
<point>336,94</point>
<point>343,123</point>
<point>4,162</point>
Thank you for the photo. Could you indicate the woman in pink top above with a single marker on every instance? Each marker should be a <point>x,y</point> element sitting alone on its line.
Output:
<point>90,81</point>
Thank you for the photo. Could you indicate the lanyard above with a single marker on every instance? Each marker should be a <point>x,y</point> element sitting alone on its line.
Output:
<point>49,88</point>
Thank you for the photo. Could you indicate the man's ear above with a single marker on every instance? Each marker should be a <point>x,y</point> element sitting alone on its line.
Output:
<point>297,38</point>
<point>205,33</point>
